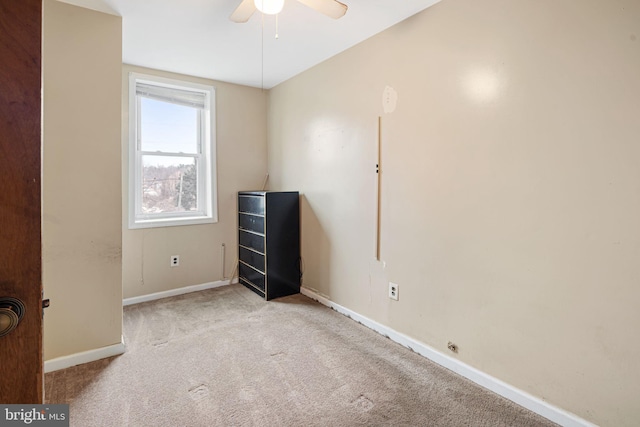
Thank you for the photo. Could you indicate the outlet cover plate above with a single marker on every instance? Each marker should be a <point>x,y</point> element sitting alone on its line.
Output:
<point>174,261</point>
<point>393,291</point>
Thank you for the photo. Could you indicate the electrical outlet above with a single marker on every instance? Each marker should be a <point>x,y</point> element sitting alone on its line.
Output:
<point>393,291</point>
<point>175,261</point>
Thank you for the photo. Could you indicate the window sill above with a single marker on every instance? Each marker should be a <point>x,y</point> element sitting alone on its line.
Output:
<point>171,222</point>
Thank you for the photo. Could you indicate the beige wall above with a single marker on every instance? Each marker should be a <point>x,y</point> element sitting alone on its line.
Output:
<point>510,195</point>
<point>241,114</point>
<point>82,266</point>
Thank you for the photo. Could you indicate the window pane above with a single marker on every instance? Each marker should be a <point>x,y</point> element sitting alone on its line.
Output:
<point>168,127</point>
<point>169,184</point>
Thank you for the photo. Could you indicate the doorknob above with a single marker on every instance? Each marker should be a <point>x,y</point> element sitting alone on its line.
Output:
<point>11,312</point>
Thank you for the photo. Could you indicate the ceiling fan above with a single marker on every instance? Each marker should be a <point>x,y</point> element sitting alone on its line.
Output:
<point>332,8</point>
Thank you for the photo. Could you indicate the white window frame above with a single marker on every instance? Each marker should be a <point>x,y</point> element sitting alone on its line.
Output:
<point>205,159</point>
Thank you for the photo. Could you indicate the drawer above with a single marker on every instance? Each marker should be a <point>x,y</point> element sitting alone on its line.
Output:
<point>251,222</point>
<point>251,275</point>
<point>252,258</point>
<point>251,240</point>
<point>251,204</point>
<point>251,287</point>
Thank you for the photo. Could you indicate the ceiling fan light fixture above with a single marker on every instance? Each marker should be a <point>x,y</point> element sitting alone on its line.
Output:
<point>269,7</point>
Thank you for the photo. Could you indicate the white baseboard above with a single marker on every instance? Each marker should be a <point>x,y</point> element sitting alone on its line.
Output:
<point>84,357</point>
<point>178,291</point>
<point>522,398</point>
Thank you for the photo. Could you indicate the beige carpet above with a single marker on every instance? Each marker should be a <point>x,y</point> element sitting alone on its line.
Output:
<point>224,357</point>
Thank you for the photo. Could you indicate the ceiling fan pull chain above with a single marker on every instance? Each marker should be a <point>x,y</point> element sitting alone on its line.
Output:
<point>277,25</point>
<point>262,55</point>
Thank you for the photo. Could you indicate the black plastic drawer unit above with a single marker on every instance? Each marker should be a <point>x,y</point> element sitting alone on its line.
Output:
<point>269,242</point>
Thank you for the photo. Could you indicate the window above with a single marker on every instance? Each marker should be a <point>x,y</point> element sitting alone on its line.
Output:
<point>171,152</point>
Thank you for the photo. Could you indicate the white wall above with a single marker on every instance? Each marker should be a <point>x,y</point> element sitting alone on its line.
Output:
<point>82,239</point>
<point>510,194</point>
<point>241,123</point>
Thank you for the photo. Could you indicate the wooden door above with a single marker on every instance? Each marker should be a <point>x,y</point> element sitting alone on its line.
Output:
<point>21,373</point>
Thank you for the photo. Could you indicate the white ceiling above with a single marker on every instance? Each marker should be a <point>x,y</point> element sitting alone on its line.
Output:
<point>195,37</point>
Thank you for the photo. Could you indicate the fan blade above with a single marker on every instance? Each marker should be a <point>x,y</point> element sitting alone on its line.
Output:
<point>243,12</point>
<point>332,8</point>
